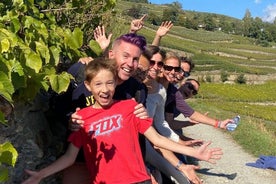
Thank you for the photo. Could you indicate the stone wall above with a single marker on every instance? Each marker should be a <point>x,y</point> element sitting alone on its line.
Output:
<point>32,133</point>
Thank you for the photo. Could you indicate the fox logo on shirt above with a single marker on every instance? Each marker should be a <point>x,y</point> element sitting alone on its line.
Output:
<point>105,126</point>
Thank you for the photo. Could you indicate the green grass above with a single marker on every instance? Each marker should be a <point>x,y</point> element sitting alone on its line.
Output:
<point>257,130</point>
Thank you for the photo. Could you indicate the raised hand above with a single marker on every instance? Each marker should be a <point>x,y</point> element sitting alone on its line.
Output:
<point>164,28</point>
<point>137,24</point>
<point>100,37</point>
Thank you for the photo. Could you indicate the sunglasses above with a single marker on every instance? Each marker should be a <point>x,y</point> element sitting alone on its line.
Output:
<point>170,68</point>
<point>191,87</point>
<point>185,74</point>
<point>159,63</point>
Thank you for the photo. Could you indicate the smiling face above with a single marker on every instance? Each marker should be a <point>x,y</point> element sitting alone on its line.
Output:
<point>156,64</point>
<point>126,56</point>
<point>185,71</point>
<point>171,68</point>
<point>141,72</point>
<point>102,86</point>
<point>189,88</point>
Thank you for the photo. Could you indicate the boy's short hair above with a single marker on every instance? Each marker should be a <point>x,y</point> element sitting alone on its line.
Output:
<point>138,40</point>
<point>93,67</point>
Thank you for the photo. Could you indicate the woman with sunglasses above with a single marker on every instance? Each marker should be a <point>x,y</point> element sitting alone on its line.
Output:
<point>168,164</point>
<point>188,90</point>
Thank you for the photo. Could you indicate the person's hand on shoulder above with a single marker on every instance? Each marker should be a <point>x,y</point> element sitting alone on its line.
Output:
<point>140,111</point>
<point>85,60</point>
<point>76,121</point>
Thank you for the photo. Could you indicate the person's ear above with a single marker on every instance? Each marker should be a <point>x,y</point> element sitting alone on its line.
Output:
<point>111,54</point>
<point>86,83</point>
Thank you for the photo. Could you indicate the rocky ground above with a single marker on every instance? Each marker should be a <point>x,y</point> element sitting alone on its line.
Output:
<point>231,169</point>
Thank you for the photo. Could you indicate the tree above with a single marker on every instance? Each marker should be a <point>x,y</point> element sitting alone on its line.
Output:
<point>34,35</point>
<point>170,14</point>
<point>209,23</point>
<point>154,19</point>
<point>247,22</point>
<point>135,11</point>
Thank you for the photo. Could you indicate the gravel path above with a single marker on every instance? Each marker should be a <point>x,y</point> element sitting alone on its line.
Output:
<point>231,169</point>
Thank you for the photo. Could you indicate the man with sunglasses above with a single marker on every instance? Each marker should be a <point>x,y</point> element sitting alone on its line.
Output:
<point>187,66</point>
<point>176,102</point>
<point>189,88</point>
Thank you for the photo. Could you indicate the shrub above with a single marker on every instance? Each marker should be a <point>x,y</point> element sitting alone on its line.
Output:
<point>208,78</point>
<point>240,79</point>
<point>224,76</point>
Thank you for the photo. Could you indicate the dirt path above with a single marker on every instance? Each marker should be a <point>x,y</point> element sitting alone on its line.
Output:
<point>231,169</point>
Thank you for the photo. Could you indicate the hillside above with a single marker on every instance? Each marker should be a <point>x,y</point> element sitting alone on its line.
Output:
<point>218,54</point>
<point>213,51</point>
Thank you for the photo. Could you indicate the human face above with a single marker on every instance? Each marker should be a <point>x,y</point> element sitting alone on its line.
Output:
<point>141,72</point>
<point>189,89</point>
<point>170,69</point>
<point>156,64</point>
<point>185,71</point>
<point>102,86</point>
<point>127,57</point>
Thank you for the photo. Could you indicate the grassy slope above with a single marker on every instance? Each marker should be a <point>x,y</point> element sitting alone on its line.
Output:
<point>217,51</point>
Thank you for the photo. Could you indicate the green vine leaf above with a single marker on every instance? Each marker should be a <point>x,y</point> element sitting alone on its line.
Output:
<point>34,61</point>
<point>8,154</point>
<point>55,53</point>
<point>4,174</point>
<point>74,39</point>
<point>60,83</point>
<point>43,51</point>
<point>2,118</point>
<point>6,88</point>
<point>5,45</point>
<point>15,26</point>
<point>95,47</point>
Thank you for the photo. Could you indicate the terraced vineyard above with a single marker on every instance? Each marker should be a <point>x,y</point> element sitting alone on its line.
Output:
<point>217,53</point>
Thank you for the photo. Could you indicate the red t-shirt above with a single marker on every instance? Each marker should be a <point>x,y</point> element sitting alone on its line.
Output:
<point>110,142</point>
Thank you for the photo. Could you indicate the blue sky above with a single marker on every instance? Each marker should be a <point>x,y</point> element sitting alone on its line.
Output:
<point>265,9</point>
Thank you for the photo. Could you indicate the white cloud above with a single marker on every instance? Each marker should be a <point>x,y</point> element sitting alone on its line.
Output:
<point>258,1</point>
<point>270,13</point>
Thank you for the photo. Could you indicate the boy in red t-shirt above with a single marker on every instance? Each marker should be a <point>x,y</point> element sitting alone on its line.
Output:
<point>109,136</point>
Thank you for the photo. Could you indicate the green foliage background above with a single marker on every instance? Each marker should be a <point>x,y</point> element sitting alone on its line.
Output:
<point>35,36</point>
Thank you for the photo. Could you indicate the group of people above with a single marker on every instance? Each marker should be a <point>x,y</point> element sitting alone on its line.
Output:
<point>124,124</point>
